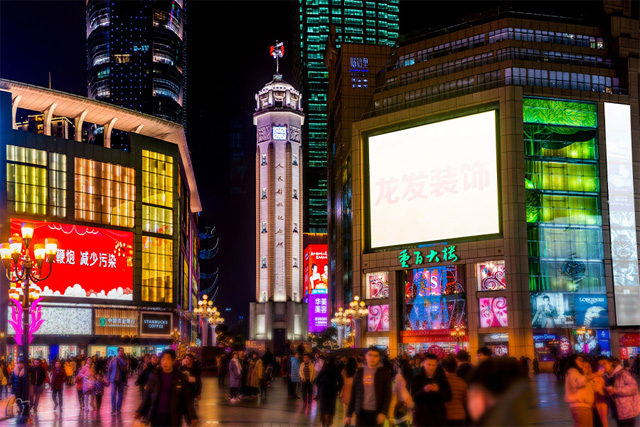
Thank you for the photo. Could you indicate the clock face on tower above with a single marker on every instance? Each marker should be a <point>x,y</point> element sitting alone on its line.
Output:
<point>279,133</point>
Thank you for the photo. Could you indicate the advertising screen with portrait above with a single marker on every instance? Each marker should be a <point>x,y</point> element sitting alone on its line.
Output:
<point>592,342</point>
<point>591,310</point>
<point>316,270</point>
<point>493,312</point>
<point>91,262</point>
<point>423,180</point>
<point>378,318</point>
<point>552,310</point>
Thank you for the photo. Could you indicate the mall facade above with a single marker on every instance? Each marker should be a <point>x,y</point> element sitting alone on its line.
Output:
<point>126,271</point>
<point>489,187</point>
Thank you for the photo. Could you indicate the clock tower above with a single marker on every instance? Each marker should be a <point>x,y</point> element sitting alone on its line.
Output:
<point>279,313</point>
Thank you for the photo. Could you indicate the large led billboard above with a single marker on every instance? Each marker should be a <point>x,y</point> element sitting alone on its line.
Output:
<point>91,262</point>
<point>316,286</point>
<point>434,182</point>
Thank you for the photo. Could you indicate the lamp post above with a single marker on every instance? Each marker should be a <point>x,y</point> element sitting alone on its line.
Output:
<point>211,314</point>
<point>29,275</point>
<point>341,320</point>
<point>458,334</point>
<point>356,311</point>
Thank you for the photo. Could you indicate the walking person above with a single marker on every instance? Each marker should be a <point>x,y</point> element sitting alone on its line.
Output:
<point>578,392</point>
<point>167,399</point>
<point>98,389</point>
<point>430,391</point>
<point>623,389</point>
<point>37,377</point>
<point>465,368</point>
<point>58,379</point>
<point>117,376</point>
<point>194,376</point>
<point>370,393</point>
<point>88,381</point>
<point>4,379</point>
<point>329,382</point>
<point>78,381</point>
<point>294,379</point>
<point>223,364</point>
<point>307,377</point>
<point>256,372</point>
<point>404,402</point>
<point>235,377</point>
<point>349,371</point>
<point>456,412</point>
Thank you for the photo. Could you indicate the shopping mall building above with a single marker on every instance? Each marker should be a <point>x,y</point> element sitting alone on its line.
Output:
<point>126,271</point>
<point>487,184</point>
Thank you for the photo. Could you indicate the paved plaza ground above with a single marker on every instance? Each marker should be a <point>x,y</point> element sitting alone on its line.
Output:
<point>548,408</point>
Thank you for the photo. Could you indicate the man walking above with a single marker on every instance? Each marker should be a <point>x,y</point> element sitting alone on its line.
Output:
<point>37,376</point>
<point>117,376</point>
<point>307,377</point>
<point>167,398</point>
<point>58,378</point>
<point>194,375</point>
<point>370,393</point>
<point>430,390</point>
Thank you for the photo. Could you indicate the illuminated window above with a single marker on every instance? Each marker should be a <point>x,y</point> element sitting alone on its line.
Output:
<point>157,179</point>
<point>157,269</point>
<point>104,193</point>
<point>27,180</point>
<point>157,220</point>
<point>57,184</point>
<point>185,284</point>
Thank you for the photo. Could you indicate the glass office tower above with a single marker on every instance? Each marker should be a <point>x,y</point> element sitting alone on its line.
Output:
<point>355,21</point>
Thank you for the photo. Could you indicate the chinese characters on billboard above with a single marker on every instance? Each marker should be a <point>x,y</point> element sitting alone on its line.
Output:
<point>318,312</point>
<point>316,270</point>
<point>91,262</point>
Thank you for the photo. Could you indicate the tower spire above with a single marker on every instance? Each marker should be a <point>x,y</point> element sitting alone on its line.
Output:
<point>277,51</point>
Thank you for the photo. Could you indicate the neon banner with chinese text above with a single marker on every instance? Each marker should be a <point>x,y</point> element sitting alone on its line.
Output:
<point>91,262</point>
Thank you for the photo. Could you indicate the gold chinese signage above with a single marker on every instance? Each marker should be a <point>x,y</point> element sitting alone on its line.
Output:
<point>116,322</point>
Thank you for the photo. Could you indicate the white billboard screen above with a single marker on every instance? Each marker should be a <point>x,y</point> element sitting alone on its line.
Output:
<point>434,182</point>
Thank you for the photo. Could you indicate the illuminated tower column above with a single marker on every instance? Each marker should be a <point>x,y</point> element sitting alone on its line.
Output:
<point>278,119</point>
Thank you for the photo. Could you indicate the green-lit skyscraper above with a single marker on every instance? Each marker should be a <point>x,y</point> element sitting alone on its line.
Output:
<point>356,21</point>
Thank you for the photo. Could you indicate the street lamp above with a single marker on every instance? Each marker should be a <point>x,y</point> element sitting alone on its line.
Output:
<point>357,310</point>
<point>458,334</point>
<point>29,275</point>
<point>206,311</point>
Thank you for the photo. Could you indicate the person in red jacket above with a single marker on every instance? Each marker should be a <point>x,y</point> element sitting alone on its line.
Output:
<point>58,378</point>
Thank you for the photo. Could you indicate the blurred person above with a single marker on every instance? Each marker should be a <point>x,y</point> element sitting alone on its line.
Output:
<point>370,393</point>
<point>498,394</point>
<point>98,389</point>
<point>223,369</point>
<point>235,377</point>
<point>294,376</point>
<point>88,381</point>
<point>484,353</point>
<point>307,378</point>
<point>318,362</point>
<point>167,398</point>
<point>117,376</point>
<point>37,377</point>
<point>58,379</point>
<point>536,366</point>
<point>403,400</point>
<point>143,375</point>
<point>430,391</point>
<point>4,378</point>
<point>194,375</point>
<point>456,407</point>
<point>17,379</point>
<point>348,372</point>
<point>600,407</point>
<point>623,389</point>
<point>256,371</point>
<point>68,369</point>
<point>78,382</point>
<point>329,382</point>
<point>465,368</point>
<point>578,392</point>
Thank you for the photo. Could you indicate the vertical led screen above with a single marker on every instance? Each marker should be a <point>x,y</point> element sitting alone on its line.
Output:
<point>316,285</point>
<point>434,299</point>
<point>423,179</point>
<point>490,276</point>
<point>91,262</point>
<point>624,247</point>
<point>378,318</point>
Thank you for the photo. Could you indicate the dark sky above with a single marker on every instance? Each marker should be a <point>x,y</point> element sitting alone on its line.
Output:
<point>228,62</point>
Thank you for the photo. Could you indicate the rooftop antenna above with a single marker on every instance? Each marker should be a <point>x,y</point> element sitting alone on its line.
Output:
<point>49,79</point>
<point>277,51</point>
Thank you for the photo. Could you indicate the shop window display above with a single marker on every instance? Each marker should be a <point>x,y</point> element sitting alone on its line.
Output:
<point>377,285</point>
<point>491,276</point>
<point>493,312</point>
<point>378,318</point>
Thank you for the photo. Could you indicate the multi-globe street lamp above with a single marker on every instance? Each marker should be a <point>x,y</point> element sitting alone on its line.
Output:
<point>357,310</point>
<point>211,314</point>
<point>458,334</point>
<point>29,275</point>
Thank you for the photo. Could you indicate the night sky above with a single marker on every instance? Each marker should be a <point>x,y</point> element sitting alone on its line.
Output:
<point>228,62</point>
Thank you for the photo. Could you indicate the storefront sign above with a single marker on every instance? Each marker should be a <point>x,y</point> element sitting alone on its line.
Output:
<point>155,324</point>
<point>544,337</point>
<point>448,254</point>
<point>91,262</point>
<point>318,312</point>
<point>441,335</point>
<point>631,339</point>
<point>624,353</point>
<point>116,322</point>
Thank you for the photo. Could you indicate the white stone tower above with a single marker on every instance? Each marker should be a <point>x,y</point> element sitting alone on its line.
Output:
<point>278,314</point>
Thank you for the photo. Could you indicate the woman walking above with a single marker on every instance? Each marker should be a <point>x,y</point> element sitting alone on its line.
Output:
<point>348,373</point>
<point>578,392</point>
<point>329,383</point>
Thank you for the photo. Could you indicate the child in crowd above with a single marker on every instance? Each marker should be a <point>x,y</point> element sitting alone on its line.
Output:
<point>98,389</point>
<point>88,382</point>
<point>79,390</point>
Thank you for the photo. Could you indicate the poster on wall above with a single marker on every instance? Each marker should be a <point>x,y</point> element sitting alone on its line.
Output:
<point>377,285</point>
<point>592,342</point>
<point>493,312</point>
<point>552,310</point>
<point>316,270</point>
<point>591,310</point>
<point>378,318</point>
<point>91,262</point>
<point>490,276</point>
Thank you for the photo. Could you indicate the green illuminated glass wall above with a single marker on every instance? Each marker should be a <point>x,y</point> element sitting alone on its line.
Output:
<point>361,22</point>
<point>563,196</point>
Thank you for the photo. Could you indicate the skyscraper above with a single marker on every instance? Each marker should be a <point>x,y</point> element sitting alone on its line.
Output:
<point>136,55</point>
<point>356,21</point>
